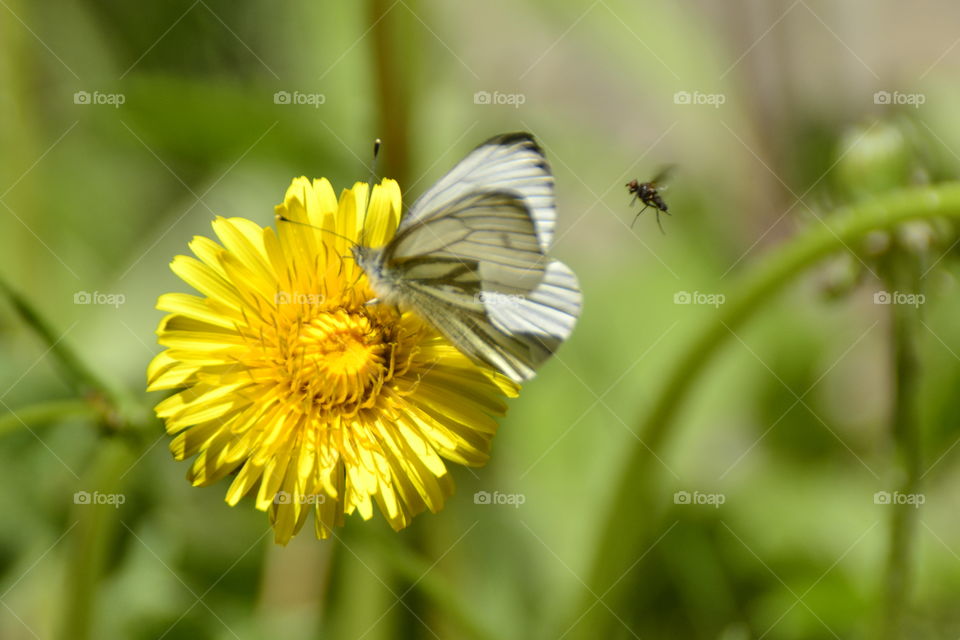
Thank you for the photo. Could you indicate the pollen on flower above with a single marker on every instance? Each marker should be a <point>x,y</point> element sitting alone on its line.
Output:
<point>338,362</point>
<point>316,401</point>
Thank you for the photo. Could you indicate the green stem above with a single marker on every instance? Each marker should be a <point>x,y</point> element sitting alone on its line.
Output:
<point>441,595</point>
<point>617,549</point>
<point>393,59</point>
<point>116,409</point>
<point>78,375</point>
<point>905,433</point>
<point>117,413</point>
<point>92,539</point>
<point>44,413</point>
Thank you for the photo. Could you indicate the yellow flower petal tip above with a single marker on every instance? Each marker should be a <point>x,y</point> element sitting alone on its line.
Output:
<point>313,399</point>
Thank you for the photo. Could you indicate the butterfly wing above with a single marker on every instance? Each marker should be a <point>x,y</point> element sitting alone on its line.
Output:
<point>514,334</point>
<point>469,258</point>
<point>512,162</point>
<point>486,240</point>
<point>545,315</point>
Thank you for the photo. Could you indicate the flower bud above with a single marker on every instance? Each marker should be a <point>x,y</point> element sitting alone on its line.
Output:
<point>872,160</point>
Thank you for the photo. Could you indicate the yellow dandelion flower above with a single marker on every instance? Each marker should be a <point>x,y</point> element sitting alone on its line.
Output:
<point>313,399</point>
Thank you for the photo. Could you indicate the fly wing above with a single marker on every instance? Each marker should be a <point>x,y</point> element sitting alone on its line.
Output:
<point>660,180</point>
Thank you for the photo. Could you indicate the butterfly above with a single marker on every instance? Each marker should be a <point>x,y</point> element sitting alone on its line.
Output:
<point>470,258</point>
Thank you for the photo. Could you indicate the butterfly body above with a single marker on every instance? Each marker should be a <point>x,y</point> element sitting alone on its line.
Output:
<point>469,257</point>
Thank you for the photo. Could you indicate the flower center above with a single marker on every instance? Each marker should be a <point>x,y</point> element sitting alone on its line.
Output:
<point>338,361</point>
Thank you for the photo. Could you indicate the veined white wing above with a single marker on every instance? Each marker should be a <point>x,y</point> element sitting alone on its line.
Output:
<point>487,236</point>
<point>510,163</point>
<point>516,333</point>
<point>546,314</point>
<point>496,323</point>
<point>486,332</point>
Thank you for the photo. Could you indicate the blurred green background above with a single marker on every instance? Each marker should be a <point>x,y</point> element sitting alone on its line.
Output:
<point>224,102</point>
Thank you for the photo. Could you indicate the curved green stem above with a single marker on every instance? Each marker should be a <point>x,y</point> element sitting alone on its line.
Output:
<point>618,550</point>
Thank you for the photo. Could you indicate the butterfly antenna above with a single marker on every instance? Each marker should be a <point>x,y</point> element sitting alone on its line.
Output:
<point>373,181</point>
<point>355,282</point>
<point>313,226</point>
<point>373,165</point>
